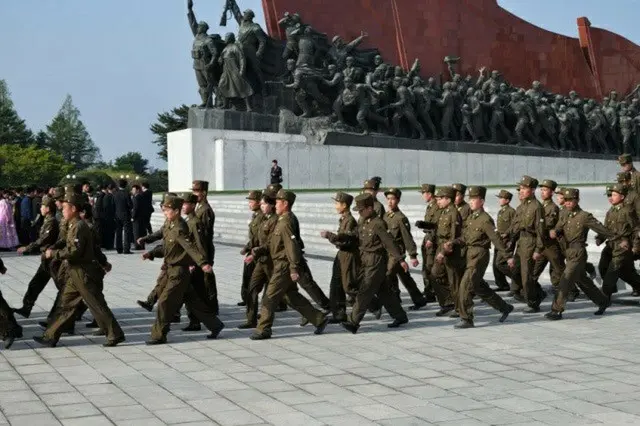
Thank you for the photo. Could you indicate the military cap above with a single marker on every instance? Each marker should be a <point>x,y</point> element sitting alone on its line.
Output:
<point>58,193</point>
<point>623,177</point>
<point>477,191</point>
<point>548,183</point>
<point>272,190</point>
<point>460,187</point>
<point>560,190</point>
<point>571,193</point>
<point>620,189</point>
<point>74,199</point>
<point>609,190</point>
<point>48,201</point>
<point>168,194</point>
<point>504,194</point>
<point>200,185</point>
<point>363,201</point>
<point>427,187</point>
<point>446,191</point>
<point>528,181</point>
<point>377,180</point>
<point>188,197</point>
<point>624,159</point>
<point>254,195</point>
<point>288,196</point>
<point>173,202</point>
<point>393,191</point>
<point>370,184</point>
<point>343,197</point>
<point>70,189</point>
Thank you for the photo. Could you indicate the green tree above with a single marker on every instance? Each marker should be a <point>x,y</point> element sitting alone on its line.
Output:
<point>68,136</point>
<point>171,121</point>
<point>31,166</point>
<point>131,161</point>
<point>13,129</point>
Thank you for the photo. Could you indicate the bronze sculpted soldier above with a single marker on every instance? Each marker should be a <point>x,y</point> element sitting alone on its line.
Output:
<point>233,83</point>
<point>357,96</point>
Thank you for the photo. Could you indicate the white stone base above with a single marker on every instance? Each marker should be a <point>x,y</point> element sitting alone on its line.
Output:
<point>237,160</point>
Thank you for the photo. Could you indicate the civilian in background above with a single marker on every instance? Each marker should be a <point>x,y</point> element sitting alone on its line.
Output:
<point>26,216</point>
<point>148,200</point>
<point>276,172</point>
<point>8,233</point>
<point>123,208</point>
<point>108,217</point>
<point>138,215</point>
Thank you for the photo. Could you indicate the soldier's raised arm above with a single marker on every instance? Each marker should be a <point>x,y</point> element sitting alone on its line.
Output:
<point>193,23</point>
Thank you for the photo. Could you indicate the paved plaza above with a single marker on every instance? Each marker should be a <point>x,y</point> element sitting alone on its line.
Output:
<point>581,370</point>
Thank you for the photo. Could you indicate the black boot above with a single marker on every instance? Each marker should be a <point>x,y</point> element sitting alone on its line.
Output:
<point>24,312</point>
<point>464,324</point>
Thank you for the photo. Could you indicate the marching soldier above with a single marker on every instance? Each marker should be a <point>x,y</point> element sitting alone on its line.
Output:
<point>448,265</point>
<point>616,259</point>
<point>254,226</point>
<point>477,236</point>
<point>372,186</point>
<point>503,223</point>
<point>400,230</point>
<point>180,251</point>
<point>551,254</point>
<point>9,327</point>
<point>527,231</point>
<point>376,245</point>
<point>344,277</point>
<point>574,227</point>
<point>286,254</point>
<point>427,248</point>
<point>84,281</point>
<point>459,202</point>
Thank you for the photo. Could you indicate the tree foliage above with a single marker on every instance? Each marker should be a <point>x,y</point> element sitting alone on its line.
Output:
<point>132,161</point>
<point>68,136</point>
<point>13,129</point>
<point>171,121</point>
<point>29,165</point>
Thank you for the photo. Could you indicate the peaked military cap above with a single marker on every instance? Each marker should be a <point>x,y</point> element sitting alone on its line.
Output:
<point>70,189</point>
<point>74,199</point>
<point>609,190</point>
<point>460,187</point>
<point>393,191</point>
<point>625,159</point>
<point>619,188</point>
<point>190,198</point>
<point>548,183</point>
<point>446,191</point>
<point>571,193</point>
<point>370,184</point>
<point>427,187</point>
<point>200,185</point>
<point>363,201</point>
<point>529,182</point>
<point>343,197</point>
<point>58,193</point>
<point>504,194</point>
<point>173,202</point>
<point>377,180</point>
<point>254,195</point>
<point>560,190</point>
<point>168,194</point>
<point>272,190</point>
<point>287,196</point>
<point>48,201</point>
<point>477,191</point>
<point>623,177</point>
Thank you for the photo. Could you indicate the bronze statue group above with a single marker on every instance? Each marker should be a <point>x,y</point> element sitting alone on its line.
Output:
<point>369,265</point>
<point>359,91</point>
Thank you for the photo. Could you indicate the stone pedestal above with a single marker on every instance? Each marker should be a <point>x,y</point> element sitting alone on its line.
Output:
<point>239,160</point>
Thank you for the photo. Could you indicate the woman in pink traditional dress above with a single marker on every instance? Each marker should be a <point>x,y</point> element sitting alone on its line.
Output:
<point>8,234</point>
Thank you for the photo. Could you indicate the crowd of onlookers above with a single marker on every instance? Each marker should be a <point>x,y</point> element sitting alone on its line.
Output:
<point>122,213</point>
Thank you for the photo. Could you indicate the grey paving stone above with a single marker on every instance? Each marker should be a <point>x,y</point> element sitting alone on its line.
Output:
<point>74,410</point>
<point>40,419</point>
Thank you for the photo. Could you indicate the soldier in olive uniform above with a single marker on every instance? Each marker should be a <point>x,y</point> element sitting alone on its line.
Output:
<point>9,327</point>
<point>254,225</point>
<point>344,277</point>
<point>477,236</point>
<point>376,245</point>
<point>503,223</point>
<point>180,251</point>
<point>459,202</point>
<point>527,231</point>
<point>84,279</point>
<point>551,254</point>
<point>47,236</point>
<point>616,259</point>
<point>372,186</point>
<point>449,264</point>
<point>400,230</point>
<point>207,218</point>
<point>259,255</point>
<point>427,247</point>
<point>286,253</point>
<point>626,163</point>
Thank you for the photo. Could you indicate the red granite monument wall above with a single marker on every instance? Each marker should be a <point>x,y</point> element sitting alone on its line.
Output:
<point>481,33</point>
